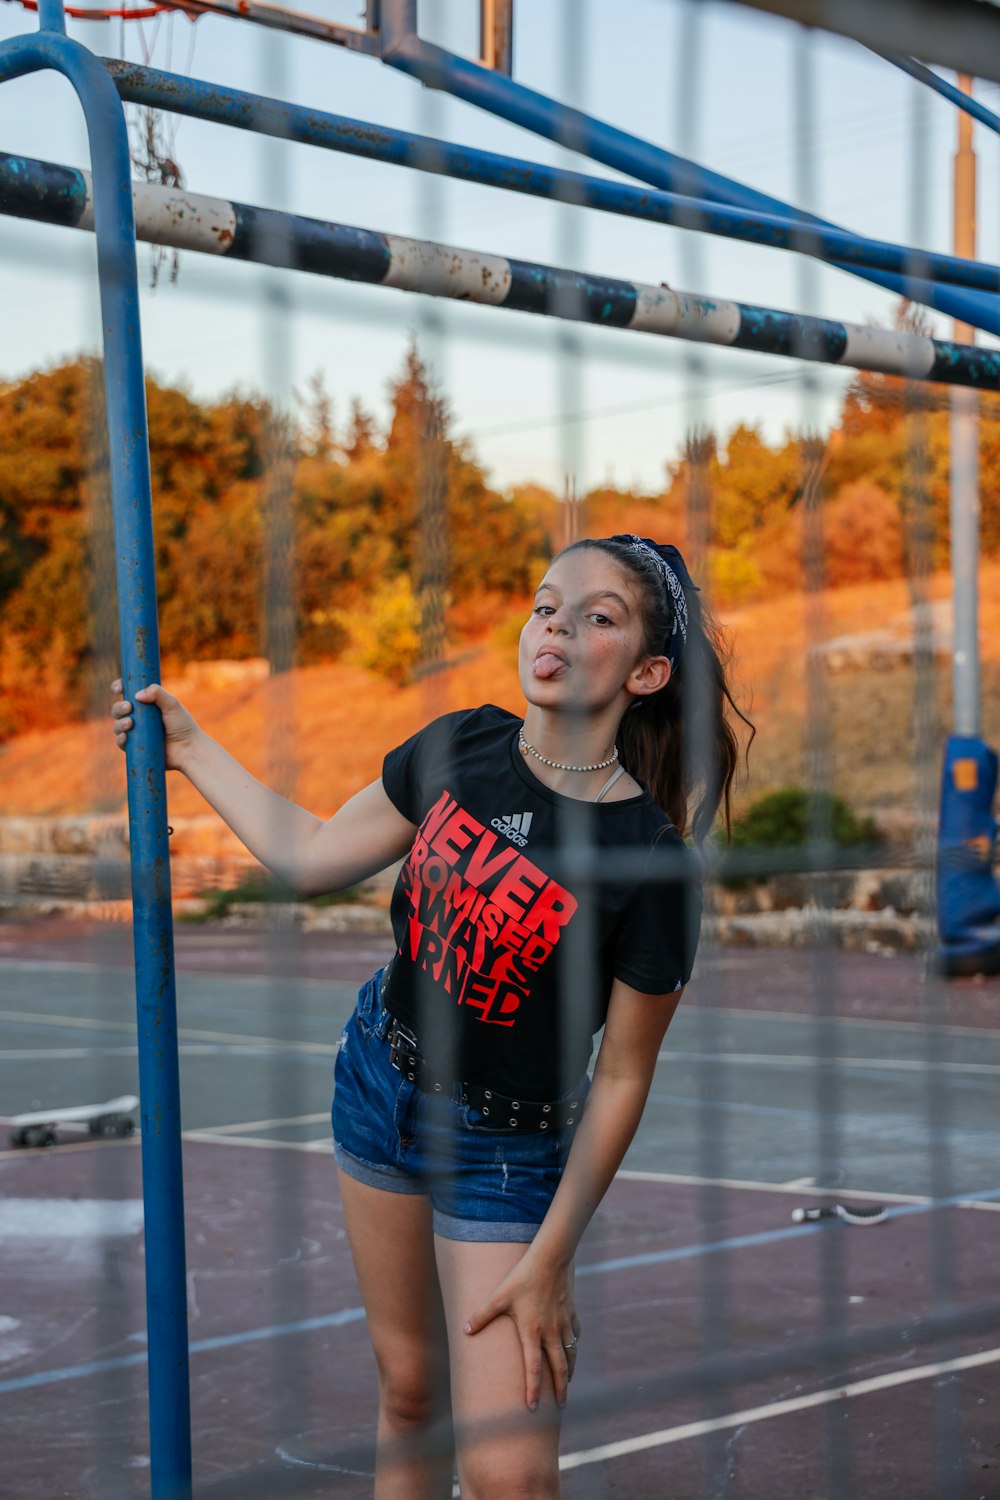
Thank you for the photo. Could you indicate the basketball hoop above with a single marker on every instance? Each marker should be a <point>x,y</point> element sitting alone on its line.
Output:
<point>133,13</point>
<point>151,134</point>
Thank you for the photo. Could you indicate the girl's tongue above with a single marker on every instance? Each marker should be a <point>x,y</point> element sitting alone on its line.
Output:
<point>548,665</point>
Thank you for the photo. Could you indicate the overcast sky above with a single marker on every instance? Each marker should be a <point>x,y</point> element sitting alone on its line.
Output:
<point>538,399</point>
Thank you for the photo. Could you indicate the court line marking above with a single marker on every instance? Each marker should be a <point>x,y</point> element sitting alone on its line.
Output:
<point>185,1048</point>
<point>821,1060</point>
<point>210,1138</point>
<point>898,1125</point>
<point>766,1237</point>
<point>777,1409</point>
<point>797,1188</point>
<point>89,966</point>
<point>804,1018</point>
<point>184,1033</point>
<point>355,1314</point>
<point>316,1119</point>
<point>198,1346</point>
<point>946,1029</point>
<point>764,1059</point>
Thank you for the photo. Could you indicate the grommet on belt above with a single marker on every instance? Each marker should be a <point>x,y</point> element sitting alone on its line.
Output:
<point>523,1115</point>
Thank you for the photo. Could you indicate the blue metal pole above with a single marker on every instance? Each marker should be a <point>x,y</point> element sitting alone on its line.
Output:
<point>941,86</point>
<point>437,68</point>
<point>205,101</point>
<point>51,16</point>
<point>166,1288</point>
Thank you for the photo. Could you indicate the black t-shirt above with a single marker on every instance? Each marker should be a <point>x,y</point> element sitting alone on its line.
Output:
<point>517,907</point>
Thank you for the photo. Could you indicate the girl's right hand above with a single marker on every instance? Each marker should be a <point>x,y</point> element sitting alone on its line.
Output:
<point>179,726</point>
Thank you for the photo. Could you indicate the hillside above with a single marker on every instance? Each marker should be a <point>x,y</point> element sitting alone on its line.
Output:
<point>320,732</point>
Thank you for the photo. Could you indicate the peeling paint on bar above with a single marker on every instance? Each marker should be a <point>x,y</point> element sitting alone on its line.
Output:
<point>215,226</point>
<point>679,315</point>
<point>439,271</point>
<point>889,351</point>
<point>170,216</point>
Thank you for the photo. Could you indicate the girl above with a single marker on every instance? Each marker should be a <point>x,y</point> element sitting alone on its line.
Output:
<point>546,892</point>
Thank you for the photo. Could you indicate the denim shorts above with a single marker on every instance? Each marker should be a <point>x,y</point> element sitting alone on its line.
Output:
<point>483,1184</point>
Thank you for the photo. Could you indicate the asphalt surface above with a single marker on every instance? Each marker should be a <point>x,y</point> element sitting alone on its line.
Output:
<point>711,1362</point>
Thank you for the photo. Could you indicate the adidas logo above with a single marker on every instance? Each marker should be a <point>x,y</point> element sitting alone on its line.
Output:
<point>514,826</point>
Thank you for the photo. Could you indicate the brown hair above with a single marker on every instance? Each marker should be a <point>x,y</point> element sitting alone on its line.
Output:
<point>681,742</point>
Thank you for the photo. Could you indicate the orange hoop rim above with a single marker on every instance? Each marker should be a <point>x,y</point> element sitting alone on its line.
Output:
<point>121,13</point>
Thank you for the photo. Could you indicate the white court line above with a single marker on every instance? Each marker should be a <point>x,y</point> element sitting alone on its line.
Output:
<point>210,1138</point>
<point>59,965</point>
<point>815,1060</point>
<point>184,1033</point>
<point>799,1187</point>
<point>776,1409</point>
<point>265,1124</point>
<point>669,1179</point>
<point>836,1021</point>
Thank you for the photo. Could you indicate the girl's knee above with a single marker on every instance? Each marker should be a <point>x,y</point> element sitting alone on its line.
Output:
<point>413,1390</point>
<point>509,1476</point>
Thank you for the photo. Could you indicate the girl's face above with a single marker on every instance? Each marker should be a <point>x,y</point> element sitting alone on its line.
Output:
<point>583,644</point>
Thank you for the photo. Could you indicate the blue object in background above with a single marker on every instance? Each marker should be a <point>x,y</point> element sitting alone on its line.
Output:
<point>968,894</point>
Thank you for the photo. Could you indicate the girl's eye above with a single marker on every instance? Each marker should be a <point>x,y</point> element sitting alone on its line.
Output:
<point>542,609</point>
<point>602,619</point>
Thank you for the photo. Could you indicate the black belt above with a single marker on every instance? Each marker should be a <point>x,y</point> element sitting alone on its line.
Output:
<point>502,1113</point>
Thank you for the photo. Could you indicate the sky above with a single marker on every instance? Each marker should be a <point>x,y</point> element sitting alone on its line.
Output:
<point>813,119</point>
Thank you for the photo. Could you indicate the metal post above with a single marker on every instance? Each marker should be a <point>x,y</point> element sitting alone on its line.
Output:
<point>968,893</point>
<point>51,16</point>
<point>965,465</point>
<point>166,1287</point>
<point>496,35</point>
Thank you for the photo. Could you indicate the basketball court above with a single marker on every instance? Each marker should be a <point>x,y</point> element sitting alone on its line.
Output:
<point>757,1109</point>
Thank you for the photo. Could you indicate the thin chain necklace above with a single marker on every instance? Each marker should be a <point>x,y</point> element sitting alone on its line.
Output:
<point>559,765</point>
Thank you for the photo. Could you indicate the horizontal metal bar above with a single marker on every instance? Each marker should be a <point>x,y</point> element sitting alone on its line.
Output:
<point>941,86</point>
<point>216,226</point>
<point>191,97</point>
<point>959,34</point>
<point>437,68</point>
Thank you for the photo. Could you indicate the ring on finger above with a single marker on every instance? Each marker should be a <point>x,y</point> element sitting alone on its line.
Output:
<point>571,1348</point>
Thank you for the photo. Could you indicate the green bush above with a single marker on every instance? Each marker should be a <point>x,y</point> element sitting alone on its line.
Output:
<point>786,819</point>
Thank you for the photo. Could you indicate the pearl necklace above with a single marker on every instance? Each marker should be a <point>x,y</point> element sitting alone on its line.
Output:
<point>558,765</point>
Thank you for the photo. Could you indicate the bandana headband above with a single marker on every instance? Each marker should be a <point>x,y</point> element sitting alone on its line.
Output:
<point>673,571</point>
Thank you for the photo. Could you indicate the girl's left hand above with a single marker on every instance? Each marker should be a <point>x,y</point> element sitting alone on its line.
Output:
<point>539,1303</point>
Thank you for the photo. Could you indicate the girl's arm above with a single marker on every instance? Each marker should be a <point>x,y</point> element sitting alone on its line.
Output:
<point>308,854</point>
<point>538,1293</point>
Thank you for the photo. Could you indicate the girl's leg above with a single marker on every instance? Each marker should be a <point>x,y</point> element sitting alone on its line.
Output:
<point>521,1462</point>
<point>393,1249</point>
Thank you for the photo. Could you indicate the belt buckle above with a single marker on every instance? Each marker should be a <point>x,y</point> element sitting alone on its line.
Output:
<point>403,1046</point>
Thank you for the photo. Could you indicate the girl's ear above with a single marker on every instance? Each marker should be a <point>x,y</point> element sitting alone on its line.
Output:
<point>648,676</point>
